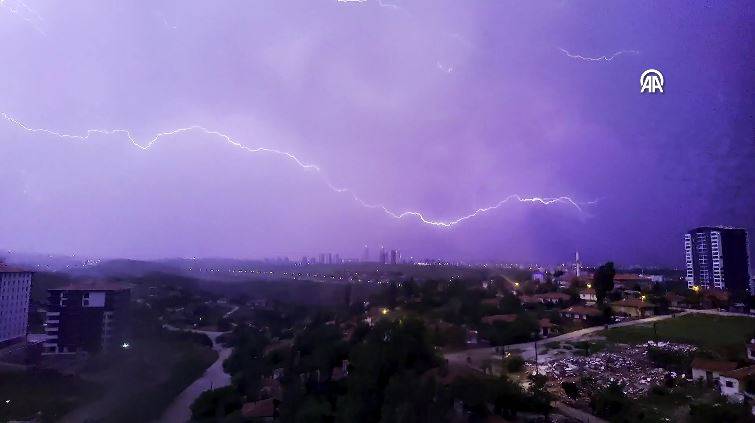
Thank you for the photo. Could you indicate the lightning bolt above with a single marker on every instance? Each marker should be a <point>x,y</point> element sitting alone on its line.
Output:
<point>419,216</point>
<point>29,15</point>
<point>380,3</point>
<point>598,59</point>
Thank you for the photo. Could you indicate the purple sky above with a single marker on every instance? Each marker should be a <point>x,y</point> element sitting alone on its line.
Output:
<point>433,106</point>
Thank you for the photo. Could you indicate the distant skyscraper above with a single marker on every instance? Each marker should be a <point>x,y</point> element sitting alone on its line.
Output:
<point>338,259</point>
<point>717,257</point>
<point>366,254</point>
<point>322,258</point>
<point>393,256</point>
<point>577,264</point>
<point>382,255</point>
<point>15,287</point>
<point>330,258</point>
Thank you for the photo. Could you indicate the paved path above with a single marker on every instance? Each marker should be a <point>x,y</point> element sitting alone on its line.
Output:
<point>717,313</point>
<point>214,377</point>
<point>233,310</point>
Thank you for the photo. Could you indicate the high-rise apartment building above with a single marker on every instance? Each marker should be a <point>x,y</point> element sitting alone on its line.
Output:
<point>90,317</point>
<point>717,257</point>
<point>15,287</point>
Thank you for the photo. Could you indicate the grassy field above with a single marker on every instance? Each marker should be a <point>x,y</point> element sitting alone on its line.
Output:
<point>723,335</point>
<point>25,394</point>
<point>670,404</point>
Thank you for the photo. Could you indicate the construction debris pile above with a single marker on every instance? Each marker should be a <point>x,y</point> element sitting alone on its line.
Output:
<point>629,367</point>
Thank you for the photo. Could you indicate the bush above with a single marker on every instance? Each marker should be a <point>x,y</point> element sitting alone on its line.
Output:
<point>670,360</point>
<point>514,364</point>
<point>571,389</point>
<point>610,402</point>
<point>216,403</point>
<point>721,411</point>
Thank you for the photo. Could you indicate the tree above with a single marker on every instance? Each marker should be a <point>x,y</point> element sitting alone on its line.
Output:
<point>409,398</point>
<point>571,389</point>
<point>216,403</point>
<point>603,281</point>
<point>409,289</point>
<point>392,353</point>
<point>719,411</point>
<point>610,402</point>
<point>514,364</point>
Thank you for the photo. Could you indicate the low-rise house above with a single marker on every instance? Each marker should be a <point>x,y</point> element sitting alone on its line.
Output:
<point>529,300</point>
<point>265,410</point>
<point>546,327</point>
<point>271,388</point>
<point>341,372</point>
<point>630,280</point>
<point>472,337</point>
<point>710,370</point>
<point>715,298</point>
<point>507,318</point>
<point>633,307</point>
<point>581,313</point>
<point>588,295</point>
<point>676,300</point>
<point>734,383</point>
<point>493,302</point>
<point>376,313</point>
<point>553,298</point>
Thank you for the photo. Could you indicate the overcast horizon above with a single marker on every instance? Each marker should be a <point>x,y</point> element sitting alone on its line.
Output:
<point>477,131</point>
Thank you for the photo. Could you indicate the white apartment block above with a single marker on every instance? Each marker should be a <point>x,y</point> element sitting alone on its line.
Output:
<point>15,288</point>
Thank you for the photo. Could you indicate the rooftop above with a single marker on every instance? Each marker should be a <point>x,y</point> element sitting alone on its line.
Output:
<point>508,318</point>
<point>632,302</point>
<point>4,268</point>
<point>740,374</point>
<point>554,296</point>
<point>264,408</point>
<point>589,311</point>
<point>713,365</point>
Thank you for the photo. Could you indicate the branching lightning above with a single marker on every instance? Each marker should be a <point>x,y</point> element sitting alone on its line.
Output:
<point>598,59</point>
<point>380,3</point>
<point>419,216</point>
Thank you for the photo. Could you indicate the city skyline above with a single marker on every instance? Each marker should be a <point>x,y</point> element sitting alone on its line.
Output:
<point>453,110</point>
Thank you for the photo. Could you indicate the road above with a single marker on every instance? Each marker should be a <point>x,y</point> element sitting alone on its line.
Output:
<point>233,310</point>
<point>214,377</point>
<point>527,349</point>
